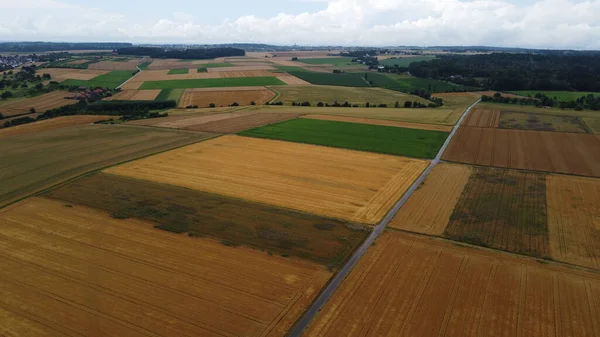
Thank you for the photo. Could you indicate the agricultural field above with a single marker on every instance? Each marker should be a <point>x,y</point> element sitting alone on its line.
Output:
<point>345,80</point>
<point>593,124</point>
<point>355,186</point>
<point>503,209</point>
<point>535,110</point>
<point>134,95</point>
<point>69,269</point>
<point>225,97</point>
<point>483,118</point>
<point>429,209</point>
<point>236,68</point>
<point>574,219</point>
<point>330,94</point>
<point>556,152</point>
<point>335,61</point>
<point>405,83</point>
<point>241,123</point>
<point>41,103</point>
<point>34,161</point>
<point>383,122</point>
<point>178,71</point>
<point>363,137</point>
<point>51,124</point>
<point>130,65</point>
<point>170,94</point>
<point>413,286</point>
<point>109,80</point>
<point>212,83</point>
<point>188,118</point>
<point>529,121</point>
<point>560,95</point>
<point>404,61</point>
<point>60,75</point>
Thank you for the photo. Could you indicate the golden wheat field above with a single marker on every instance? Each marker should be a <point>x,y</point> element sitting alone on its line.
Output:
<point>351,185</point>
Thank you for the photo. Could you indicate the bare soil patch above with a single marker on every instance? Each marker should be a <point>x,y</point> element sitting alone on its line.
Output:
<point>483,118</point>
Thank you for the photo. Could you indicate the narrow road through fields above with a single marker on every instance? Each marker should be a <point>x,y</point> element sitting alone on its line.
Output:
<point>347,268</point>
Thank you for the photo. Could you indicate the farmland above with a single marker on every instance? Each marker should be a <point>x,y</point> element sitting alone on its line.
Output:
<point>355,186</point>
<point>430,207</point>
<point>336,61</point>
<point>185,119</point>
<point>528,150</point>
<point>50,124</point>
<point>178,71</point>
<point>41,103</point>
<point>135,95</point>
<point>68,269</point>
<point>406,83</point>
<point>574,219</point>
<point>241,123</point>
<point>212,83</point>
<point>63,74</point>
<point>346,80</point>
<point>109,80</point>
<point>503,209</point>
<point>482,118</point>
<point>34,161</point>
<point>364,137</point>
<point>225,97</point>
<point>380,122</point>
<point>170,94</point>
<point>409,286</point>
<point>529,121</point>
<point>404,61</point>
<point>593,124</point>
<point>561,95</point>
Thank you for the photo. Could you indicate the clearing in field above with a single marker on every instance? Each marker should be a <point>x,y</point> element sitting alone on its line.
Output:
<point>364,137</point>
<point>212,83</point>
<point>351,185</point>
<point>429,209</point>
<point>574,219</point>
<point>482,118</point>
<point>51,124</point>
<point>381,122</point>
<point>69,269</point>
<point>41,103</point>
<point>178,71</point>
<point>109,80</point>
<point>226,97</point>
<point>233,221</point>
<point>407,286</point>
<point>504,209</point>
<point>34,161</point>
<point>557,152</point>
<point>134,95</point>
<point>529,121</point>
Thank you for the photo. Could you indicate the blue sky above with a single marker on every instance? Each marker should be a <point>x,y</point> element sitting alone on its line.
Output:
<point>526,23</point>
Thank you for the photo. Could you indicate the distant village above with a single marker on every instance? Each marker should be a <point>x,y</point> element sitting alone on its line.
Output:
<point>14,61</point>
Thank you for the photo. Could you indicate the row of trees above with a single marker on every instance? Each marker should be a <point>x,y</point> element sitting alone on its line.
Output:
<point>407,104</point>
<point>196,54</point>
<point>588,102</point>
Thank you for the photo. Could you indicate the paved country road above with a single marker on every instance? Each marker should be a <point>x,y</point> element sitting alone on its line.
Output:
<point>298,329</point>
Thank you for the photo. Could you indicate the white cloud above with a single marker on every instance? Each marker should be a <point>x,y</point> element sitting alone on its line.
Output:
<point>544,24</point>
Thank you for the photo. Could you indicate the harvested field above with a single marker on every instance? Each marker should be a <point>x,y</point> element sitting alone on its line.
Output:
<point>593,124</point>
<point>429,209</point>
<point>292,80</point>
<point>163,75</point>
<point>233,221</point>
<point>356,186</point>
<point>111,65</point>
<point>134,95</point>
<point>482,118</point>
<point>574,219</point>
<point>240,68</point>
<point>51,124</point>
<point>529,121</point>
<point>569,153</point>
<point>41,103</point>
<point>212,83</point>
<point>187,121</point>
<point>34,161</point>
<point>381,122</point>
<point>406,286</point>
<point>241,123</point>
<point>242,96</point>
<point>73,270</point>
<point>503,209</point>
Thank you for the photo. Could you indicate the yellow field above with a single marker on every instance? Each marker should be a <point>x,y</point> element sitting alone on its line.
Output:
<point>428,210</point>
<point>69,270</point>
<point>351,185</point>
<point>51,124</point>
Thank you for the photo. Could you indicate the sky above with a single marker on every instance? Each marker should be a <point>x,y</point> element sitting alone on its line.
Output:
<point>552,24</point>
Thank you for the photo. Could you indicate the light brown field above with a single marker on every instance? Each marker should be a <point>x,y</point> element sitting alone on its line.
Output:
<point>381,122</point>
<point>304,54</point>
<point>574,219</point>
<point>482,118</point>
<point>112,65</point>
<point>407,286</point>
<point>292,80</point>
<point>429,209</point>
<point>162,75</point>
<point>41,103</point>
<point>51,124</point>
<point>78,271</point>
<point>167,64</point>
<point>240,68</point>
<point>225,97</point>
<point>187,121</point>
<point>134,95</point>
<point>242,123</point>
<point>62,74</point>
<point>352,185</point>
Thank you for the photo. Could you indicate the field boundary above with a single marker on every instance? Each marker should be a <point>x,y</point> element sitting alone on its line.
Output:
<point>277,94</point>
<point>132,77</point>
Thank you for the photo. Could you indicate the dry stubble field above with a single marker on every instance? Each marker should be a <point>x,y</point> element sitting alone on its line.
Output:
<point>351,185</point>
<point>134,95</point>
<point>51,124</point>
<point>225,97</point>
<point>69,270</point>
<point>41,103</point>
<point>62,74</point>
<point>407,286</point>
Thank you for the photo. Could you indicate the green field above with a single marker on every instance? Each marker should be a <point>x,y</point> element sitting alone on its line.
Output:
<point>336,61</point>
<point>345,80</point>
<point>363,137</point>
<point>290,68</point>
<point>409,83</point>
<point>169,94</point>
<point>405,61</point>
<point>216,65</point>
<point>202,70</point>
<point>110,80</point>
<point>560,95</point>
<point>593,124</point>
<point>144,66</point>
<point>212,83</point>
<point>178,71</point>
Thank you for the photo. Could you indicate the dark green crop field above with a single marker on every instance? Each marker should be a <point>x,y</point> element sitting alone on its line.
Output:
<point>363,137</point>
<point>178,71</point>
<point>110,80</point>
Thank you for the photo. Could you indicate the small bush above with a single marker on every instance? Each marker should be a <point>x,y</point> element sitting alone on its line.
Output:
<point>235,104</point>
<point>211,105</point>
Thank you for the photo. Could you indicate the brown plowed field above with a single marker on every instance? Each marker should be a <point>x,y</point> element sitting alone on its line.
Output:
<point>111,65</point>
<point>42,103</point>
<point>61,74</point>
<point>381,122</point>
<point>352,185</point>
<point>225,97</point>
<point>504,209</point>
<point>482,118</point>
<point>574,219</point>
<point>407,287</point>
<point>134,95</point>
<point>246,122</point>
<point>557,152</point>
<point>428,210</point>
<point>51,124</point>
<point>76,271</point>
<point>186,122</point>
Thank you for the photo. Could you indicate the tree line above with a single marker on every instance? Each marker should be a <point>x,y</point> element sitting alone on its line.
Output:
<point>188,54</point>
<point>587,102</point>
<point>32,47</point>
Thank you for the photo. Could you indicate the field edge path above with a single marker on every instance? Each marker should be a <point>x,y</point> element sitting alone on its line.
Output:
<point>337,280</point>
